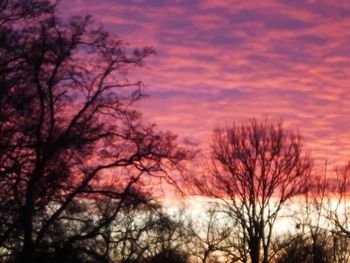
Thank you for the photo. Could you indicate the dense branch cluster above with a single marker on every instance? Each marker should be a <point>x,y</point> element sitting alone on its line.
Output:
<point>256,168</point>
<point>65,123</point>
<point>78,164</point>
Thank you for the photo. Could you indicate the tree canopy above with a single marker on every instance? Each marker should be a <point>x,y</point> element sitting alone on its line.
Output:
<point>72,149</point>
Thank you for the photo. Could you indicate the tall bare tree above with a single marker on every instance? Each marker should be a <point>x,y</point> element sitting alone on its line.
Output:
<point>256,168</point>
<point>337,205</point>
<point>73,152</point>
<point>333,207</point>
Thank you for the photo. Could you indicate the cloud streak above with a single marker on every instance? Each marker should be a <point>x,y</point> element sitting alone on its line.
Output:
<point>223,61</point>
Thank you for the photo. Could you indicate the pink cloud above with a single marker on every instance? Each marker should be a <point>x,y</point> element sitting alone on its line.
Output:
<point>224,61</point>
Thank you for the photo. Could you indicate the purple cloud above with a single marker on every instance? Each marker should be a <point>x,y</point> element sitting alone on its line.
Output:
<point>222,61</point>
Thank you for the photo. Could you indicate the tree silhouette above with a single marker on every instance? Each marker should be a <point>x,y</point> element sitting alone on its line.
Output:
<point>213,237</point>
<point>73,152</point>
<point>330,203</point>
<point>303,249</point>
<point>256,167</point>
<point>169,256</point>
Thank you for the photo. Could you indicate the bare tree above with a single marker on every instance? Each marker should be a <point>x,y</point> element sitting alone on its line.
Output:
<point>321,219</point>
<point>138,235</point>
<point>333,207</point>
<point>69,138</point>
<point>213,237</point>
<point>338,204</point>
<point>256,168</point>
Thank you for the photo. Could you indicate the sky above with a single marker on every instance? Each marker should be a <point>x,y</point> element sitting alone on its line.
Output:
<point>225,61</point>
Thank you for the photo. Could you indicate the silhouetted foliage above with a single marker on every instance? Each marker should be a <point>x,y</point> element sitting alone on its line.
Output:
<point>169,256</point>
<point>73,152</point>
<point>304,250</point>
<point>137,237</point>
<point>164,256</point>
<point>326,216</point>
<point>256,168</point>
<point>339,192</point>
<point>213,236</point>
<point>76,162</point>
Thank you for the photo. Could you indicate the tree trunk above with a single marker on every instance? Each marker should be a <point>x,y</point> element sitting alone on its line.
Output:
<point>266,255</point>
<point>254,246</point>
<point>26,216</point>
<point>26,254</point>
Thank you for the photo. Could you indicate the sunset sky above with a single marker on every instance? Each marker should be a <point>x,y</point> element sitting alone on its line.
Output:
<point>222,61</point>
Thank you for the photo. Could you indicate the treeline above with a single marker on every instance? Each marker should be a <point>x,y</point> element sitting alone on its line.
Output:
<point>79,167</point>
